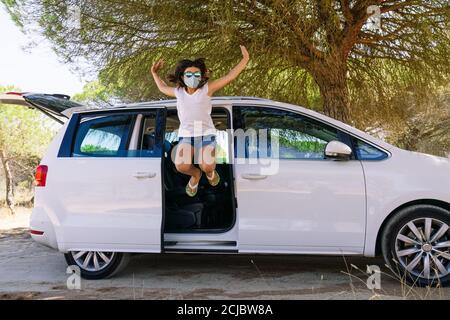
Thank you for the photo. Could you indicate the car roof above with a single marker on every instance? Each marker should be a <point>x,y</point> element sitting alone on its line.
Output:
<point>164,102</point>
<point>245,100</point>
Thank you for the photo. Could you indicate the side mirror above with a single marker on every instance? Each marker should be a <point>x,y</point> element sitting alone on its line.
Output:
<point>337,150</point>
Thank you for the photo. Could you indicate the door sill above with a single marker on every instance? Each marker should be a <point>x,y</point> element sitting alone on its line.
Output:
<point>201,246</point>
<point>206,251</point>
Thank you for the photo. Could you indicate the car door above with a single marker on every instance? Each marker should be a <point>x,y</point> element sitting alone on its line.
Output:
<point>103,189</point>
<point>106,182</point>
<point>291,199</point>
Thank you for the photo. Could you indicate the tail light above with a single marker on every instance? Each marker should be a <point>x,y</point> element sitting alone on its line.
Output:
<point>15,93</point>
<point>41,175</point>
<point>36,232</point>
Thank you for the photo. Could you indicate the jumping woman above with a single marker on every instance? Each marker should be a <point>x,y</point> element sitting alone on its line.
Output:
<point>193,92</point>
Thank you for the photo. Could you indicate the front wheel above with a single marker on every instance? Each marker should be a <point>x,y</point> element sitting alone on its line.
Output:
<point>416,245</point>
<point>97,264</point>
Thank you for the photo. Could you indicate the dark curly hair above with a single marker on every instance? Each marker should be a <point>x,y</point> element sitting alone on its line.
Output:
<point>177,77</point>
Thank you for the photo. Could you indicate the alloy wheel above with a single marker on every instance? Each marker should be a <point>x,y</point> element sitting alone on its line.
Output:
<point>92,260</point>
<point>422,247</point>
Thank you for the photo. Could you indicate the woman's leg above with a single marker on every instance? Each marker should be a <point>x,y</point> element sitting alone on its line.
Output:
<point>183,162</point>
<point>208,159</point>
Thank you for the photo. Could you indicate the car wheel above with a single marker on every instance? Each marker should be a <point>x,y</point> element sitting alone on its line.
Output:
<point>416,245</point>
<point>97,264</point>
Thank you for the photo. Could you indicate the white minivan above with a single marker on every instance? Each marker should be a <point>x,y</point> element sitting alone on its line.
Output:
<point>107,188</point>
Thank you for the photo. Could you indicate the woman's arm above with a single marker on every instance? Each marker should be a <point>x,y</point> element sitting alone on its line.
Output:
<point>162,86</point>
<point>218,84</point>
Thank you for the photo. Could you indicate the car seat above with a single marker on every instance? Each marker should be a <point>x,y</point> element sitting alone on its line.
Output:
<point>186,217</point>
<point>182,211</point>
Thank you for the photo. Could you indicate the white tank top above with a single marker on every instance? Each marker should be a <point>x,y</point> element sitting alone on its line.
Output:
<point>194,112</point>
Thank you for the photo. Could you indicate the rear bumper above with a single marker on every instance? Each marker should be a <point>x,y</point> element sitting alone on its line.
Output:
<point>41,228</point>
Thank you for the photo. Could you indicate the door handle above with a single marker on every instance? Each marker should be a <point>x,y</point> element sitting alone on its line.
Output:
<point>144,175</point>
<point>253,176</point>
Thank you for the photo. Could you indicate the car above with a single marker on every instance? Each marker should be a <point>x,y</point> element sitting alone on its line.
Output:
<point>107,188</point>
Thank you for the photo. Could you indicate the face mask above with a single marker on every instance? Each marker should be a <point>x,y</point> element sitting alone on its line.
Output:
<point>191,82</point>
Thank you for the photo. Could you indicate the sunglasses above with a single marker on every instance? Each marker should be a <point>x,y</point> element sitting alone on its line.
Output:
<point>196,74</point>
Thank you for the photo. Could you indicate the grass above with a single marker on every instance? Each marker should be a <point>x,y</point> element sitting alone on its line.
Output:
<point>408,291</point>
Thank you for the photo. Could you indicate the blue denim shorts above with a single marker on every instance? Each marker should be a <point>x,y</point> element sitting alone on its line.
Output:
<point>200,141</point>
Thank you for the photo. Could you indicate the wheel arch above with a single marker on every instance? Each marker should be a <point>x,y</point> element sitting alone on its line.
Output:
<point>437,203</point>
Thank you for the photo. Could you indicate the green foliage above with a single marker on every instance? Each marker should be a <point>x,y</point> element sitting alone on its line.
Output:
<point>321,54</point>
<point>90,148</point>
<point>221,155</point>
<point>24,136</point>
<point>95,93</point>
<point>293,44</point>
<point>303,145</point>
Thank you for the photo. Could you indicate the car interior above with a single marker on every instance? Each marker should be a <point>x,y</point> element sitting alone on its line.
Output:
<point>212,208</point>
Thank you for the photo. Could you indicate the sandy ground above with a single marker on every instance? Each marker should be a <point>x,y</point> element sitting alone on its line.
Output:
<point>31,271</point>
<point>20,220</point>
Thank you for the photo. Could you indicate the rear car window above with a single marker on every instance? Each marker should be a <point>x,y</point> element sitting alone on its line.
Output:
<point>105,136</point>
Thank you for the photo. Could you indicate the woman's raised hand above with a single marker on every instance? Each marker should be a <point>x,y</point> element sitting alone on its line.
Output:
<point>157,65</point>
<point>245,54</point>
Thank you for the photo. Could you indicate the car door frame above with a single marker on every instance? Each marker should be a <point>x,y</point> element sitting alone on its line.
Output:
<point>215,238</point>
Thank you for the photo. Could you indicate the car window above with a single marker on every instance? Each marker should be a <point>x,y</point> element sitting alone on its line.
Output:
<point>365,151</point>
<point>298,137</point>
<point>150,141</point>
<point>102,136</point>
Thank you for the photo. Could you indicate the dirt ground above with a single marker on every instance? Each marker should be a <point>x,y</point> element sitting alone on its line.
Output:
<point>31,271</point>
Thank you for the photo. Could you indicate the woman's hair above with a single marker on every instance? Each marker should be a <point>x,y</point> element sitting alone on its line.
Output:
<point>177,77</point>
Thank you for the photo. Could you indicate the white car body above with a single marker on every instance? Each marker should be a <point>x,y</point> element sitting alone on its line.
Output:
<point>402,178</point>
<point>307,207</point>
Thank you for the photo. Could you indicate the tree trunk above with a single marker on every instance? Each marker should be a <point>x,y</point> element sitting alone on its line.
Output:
<point>9,182</point>
<point>331,77</point>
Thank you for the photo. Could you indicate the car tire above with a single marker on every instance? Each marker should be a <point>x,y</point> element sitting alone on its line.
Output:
<point>107,264</point>
<point>416,245</point>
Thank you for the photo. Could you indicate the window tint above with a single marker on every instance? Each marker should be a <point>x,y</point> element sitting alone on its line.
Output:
<point>298,137</point>
<point>102,136</point>
<point>365,151</point>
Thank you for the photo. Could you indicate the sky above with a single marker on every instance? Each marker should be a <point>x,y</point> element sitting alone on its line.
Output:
<point>37,70</point>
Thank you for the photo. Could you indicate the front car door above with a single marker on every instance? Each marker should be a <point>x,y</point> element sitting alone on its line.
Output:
<point>106,182</point>
<point>292,199</point>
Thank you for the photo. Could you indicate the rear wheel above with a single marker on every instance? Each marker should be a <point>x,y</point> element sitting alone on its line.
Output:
<point>416,245</point>
<point>97,264</point>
